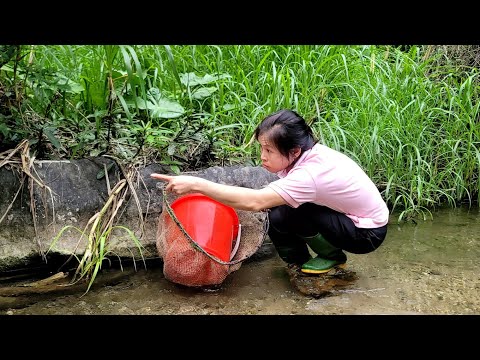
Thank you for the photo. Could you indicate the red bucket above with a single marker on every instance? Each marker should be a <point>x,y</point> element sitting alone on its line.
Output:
<point>212,225</point>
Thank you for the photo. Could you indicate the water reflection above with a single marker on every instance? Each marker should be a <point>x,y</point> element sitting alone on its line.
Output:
<point>428,268</point>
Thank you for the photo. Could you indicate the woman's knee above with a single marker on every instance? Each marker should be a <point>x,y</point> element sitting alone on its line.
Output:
<point>278,218</point>
<point>368,240</point>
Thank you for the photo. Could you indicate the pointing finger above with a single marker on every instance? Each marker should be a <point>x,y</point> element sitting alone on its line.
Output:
<point>161,177</point>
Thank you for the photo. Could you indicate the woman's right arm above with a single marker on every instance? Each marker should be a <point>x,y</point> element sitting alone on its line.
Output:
<point>238,197</point>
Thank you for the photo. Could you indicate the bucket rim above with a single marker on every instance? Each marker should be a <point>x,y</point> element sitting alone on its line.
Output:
<point>201,196</point>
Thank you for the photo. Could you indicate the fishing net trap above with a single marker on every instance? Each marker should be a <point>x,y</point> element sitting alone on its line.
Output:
<point>202,241</point>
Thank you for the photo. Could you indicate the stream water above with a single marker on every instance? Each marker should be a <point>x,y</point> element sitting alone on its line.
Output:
<point>431,267</point>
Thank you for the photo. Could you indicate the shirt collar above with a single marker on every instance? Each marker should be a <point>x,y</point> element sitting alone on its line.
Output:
<point>283,173</point>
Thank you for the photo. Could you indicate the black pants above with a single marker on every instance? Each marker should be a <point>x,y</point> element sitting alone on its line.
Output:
<point>287,225</point>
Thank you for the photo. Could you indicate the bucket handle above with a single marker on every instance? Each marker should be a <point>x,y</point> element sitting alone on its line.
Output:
<point>237,243</point>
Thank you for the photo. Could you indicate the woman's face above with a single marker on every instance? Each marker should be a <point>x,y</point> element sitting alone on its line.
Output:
<point>272,159</point>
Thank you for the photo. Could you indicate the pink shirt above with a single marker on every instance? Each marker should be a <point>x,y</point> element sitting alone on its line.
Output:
<point>327,177</point>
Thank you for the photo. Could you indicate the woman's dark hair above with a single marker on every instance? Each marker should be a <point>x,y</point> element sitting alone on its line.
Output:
<point>286,130</point>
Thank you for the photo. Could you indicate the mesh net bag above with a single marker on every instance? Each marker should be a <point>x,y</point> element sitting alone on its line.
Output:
<point>185,262</point>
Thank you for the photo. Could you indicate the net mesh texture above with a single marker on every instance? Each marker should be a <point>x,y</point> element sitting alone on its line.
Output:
<point>185,262</point>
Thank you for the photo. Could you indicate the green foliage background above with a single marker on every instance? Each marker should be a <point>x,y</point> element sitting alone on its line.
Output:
<point>408,114</point>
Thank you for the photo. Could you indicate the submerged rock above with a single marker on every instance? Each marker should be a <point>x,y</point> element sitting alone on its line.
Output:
<point>321,285</point>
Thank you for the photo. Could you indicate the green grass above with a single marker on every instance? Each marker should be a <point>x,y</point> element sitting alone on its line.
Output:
<point>409,118</point>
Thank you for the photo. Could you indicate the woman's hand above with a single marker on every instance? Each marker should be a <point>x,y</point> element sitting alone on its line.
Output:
<point>179,184</point>
<point>235,196</point>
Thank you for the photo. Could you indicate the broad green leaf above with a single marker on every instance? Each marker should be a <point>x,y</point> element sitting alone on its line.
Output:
<point>49,133</point>
<point>160,106</point>
<point>171,149</point>
<point>203,92</point>
<point>191,79</point>
<point>4,129</point>
<point>65,84</point>
<point>101,173</point>
<point>228,107</point>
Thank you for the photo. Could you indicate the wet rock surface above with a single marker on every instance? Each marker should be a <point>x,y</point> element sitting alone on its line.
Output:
<point>78,189</point>
<point>321,285</point>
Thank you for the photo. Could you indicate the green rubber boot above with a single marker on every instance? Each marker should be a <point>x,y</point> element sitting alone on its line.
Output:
<point>293,255</point>
<point>328,256</point>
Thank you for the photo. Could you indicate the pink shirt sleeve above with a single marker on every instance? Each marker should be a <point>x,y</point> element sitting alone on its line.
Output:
<point>296,188</point>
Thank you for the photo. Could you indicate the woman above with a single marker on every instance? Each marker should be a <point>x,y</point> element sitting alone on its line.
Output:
<point>322,198</point>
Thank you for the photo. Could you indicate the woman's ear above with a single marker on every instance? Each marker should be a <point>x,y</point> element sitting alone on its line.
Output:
<point>295,152</point>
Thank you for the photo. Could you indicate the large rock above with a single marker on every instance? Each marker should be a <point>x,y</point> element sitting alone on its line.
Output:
<point>76,191</point>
